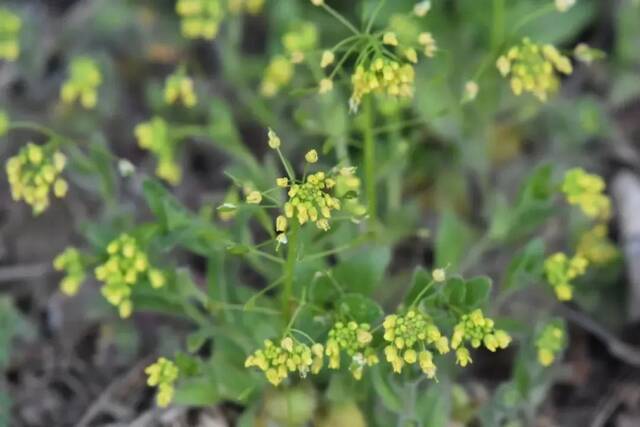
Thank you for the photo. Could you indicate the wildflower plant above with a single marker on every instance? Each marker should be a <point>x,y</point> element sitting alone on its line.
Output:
<point>307,289</point>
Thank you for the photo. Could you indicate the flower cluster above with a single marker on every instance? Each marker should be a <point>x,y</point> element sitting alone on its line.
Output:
<point>277,361</point>
<point>562,270</point>
<point>311,200</point>
<point>278,73</point>
<point>382,75</point>
<point>354,339</point>
<point>301,39</point>
<point>179,87</point>
<point>10,25</point>
<point>533,68</point>
<point>252,7</point>
<point>200,19</point>
<point>408,335</point>
<point>162,374</point>
<point>34,172</point>
<point>549,343</point>
<point>587,191</point>
<point>126,264</point>
<point>476,329</point>
<point>70,261</point>
<point>83,83</point>
<point>154,136</point>
<point>596,247</point>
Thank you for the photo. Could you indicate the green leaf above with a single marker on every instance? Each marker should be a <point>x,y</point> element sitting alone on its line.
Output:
<point>455,291</point>
<point>360,308</point>
<point>420,281</point>
<point>388,392</point>
<point>434,406</point>
<point>196,340</point>
<point>477,291</point>
<point>452,241</point>
<point>197,392</point>
<point>363,271</point>
<point>526,267</point>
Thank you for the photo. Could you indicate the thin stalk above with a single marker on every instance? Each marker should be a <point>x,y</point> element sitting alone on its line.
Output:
<point>497,27</point>
<point>369,159</point>
<point>340,18</point>
<point>372,19</point>
<point>288,269</point>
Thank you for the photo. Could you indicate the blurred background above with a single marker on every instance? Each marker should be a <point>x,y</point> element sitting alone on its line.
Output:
<point>74,362</point>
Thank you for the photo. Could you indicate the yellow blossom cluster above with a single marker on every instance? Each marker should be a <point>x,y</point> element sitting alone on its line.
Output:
<point>125,265</point>
<point>312,200</point>
<point>549,343</point>
<point>83,83</point>
<point>179,88</point>
<point>354,339</point>
<point>301,39</point>
<point>562,270</point>
<point>383,76</point>
<point>587,191</point>
<point>534,68</point>
<point>476,329</point>
<point>252,7</point>
<point>277,361</point>
<point>70,261</point>
<point>154,136</point>
<point>408,336</point>
<point>596,247</point>
<point>278,73</point>
<point>34,172</point>
<point>200,19</point>
<point>10,25</point>
<point>162,374</point>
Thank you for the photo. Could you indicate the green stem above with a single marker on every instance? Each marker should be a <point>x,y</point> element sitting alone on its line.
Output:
<point>340,18</point>
<point>289,267</point>
<point>374,15</point>
<point>497,33</point>
<point>369,159</point>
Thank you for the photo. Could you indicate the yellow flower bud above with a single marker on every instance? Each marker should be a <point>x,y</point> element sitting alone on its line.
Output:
<point>311,156</point>
<point>254,197</point>
<point>327,58</point>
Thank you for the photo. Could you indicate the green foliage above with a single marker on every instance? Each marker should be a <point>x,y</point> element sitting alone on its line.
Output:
<point>395,130</point>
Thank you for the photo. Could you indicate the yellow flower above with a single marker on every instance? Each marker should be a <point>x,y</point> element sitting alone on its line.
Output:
<point>254,197</point>
<point>290,356</point>
<point>179,88</point>
<point>439,275</point>
<point>327,58</point>
<point>463,358</point>
<point>390,38</point>
<point>326,85</point>
<point>550,342</point>
<point>34,172</point>
<point>281,223</point>
<point>274,140</point>
<point>471,89</point>
<point>533,68</point>
<point>282,182</point>
<point>83,83</point>
<point>70,261</point>
<point>422,8</point>
<point>411,54</point>
<point>587,191</point>
<point>278,73</point>
<point>311,156</point>
<point>200,19</point>
<point>124,267</point>
<point>354,339</point>
<point>162,374</point>
<point>429,43</point>
<point>564,5</point>
<point>154,136</point>
<point>317,2</point>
